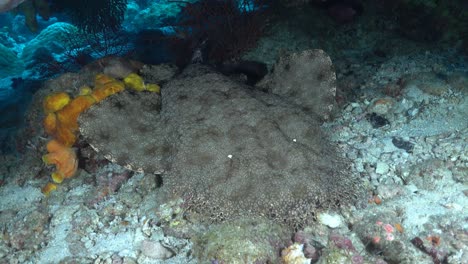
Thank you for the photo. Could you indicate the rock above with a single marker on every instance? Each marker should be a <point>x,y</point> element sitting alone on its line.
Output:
<point>330,220</point>
<point>155,250</point>
<point>381,168</point>
<point>381,106</point>
<point>377,120</point>
<point>403,144</point>
<point>294,255</point>
<point>240,241</point>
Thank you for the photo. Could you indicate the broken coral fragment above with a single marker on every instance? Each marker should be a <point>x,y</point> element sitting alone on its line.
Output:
<point>64,159</point>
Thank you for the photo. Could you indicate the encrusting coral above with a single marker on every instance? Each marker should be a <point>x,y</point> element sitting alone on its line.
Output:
<point>61,122</point>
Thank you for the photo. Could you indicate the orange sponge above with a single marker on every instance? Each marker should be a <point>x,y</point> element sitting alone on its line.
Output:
<point>65,136</point>
<point>64,158</point>
<point>50,124</point>
<point>62,112</point>
<point>105,86</point>
<point>102,79</point>
<point>68,116</point>
<point>61,122</point>
<point>67,119</point>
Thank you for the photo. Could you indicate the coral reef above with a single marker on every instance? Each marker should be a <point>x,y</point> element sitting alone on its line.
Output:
<point>430,21</point>
<point>95,16</point>
<point>10,64</point>
<point>222,29</point>
<point>117,145</point>
<point>55,38</point>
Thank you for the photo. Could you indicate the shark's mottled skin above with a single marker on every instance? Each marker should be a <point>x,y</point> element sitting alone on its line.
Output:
<point>7,5</point>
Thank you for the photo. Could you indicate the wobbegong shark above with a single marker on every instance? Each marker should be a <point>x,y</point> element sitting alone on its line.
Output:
<point>7,5</point>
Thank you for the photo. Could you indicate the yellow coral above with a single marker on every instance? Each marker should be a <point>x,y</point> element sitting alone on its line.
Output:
<point>85,90</point>
<point>135,82</point>
<point>64,159</point>
<point>152,87</point>
<point>56,101</point>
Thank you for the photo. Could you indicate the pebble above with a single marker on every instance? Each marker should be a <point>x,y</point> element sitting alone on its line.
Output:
<point>330,220</point>
<point>382,168</point>
<point>403,144</point>
<point>155,250</point>
<point>294,255</point>
<point>381,106</point>
<point>377,120</point>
